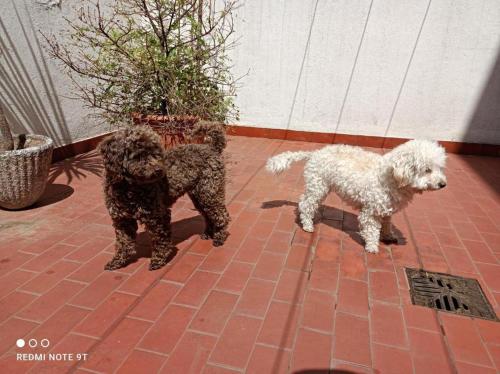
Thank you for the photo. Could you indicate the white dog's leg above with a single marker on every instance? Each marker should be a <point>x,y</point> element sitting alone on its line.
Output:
<point>310,201</point>
<point>370,230</point>
<point>387,235</point>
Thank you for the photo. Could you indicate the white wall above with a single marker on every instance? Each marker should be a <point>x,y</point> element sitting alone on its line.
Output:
<point>33,88</point>
<point>402,68</point>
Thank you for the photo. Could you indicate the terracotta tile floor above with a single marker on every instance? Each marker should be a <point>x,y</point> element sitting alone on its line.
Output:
<point>274,299</point>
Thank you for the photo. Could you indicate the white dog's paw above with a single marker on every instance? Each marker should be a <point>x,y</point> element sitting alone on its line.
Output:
<point>308,227</point>
<point>371,248</point>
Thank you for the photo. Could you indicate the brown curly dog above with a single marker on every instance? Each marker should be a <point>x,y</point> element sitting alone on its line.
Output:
<point>142,181</point>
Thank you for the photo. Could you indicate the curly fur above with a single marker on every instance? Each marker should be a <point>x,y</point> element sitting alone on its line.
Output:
<point>143,180</point>
<point>377,185</point>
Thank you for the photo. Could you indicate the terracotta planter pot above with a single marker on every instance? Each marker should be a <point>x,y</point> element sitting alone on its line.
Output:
<point>23,172</point>
<point>173,129</point>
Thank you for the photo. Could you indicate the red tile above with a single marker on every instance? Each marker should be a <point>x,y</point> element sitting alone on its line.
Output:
<point>327,249</point>
<point>113,350</point>
<point>101,319</point>
<point>387,325</point>
<point>47,241</point>
<point>467,231</point>
<point>182,269</point>
<point>217,260</point>
<point>262,230</point>
<point>236,342</point>
<point>490,275</point>
<point>391,360</point>
<point>465,368</point>
<point>13,302</point>
<point>324,275</point>
<point>190,355</point>
<point>167,331</point>
<point>246,218</point>
<point>91,248</point>
<point>493,240</point>
<point>155,301</point>
<point>13,261</point>
<point>304,357</point>
<point>75,344</point>
<point>489,331</point>
<point>256,297</point>
<point>13,280</point>
<point>268,360</point>
<point>280,325</point>
<point>93,294</point>
<point>464,340</point>
<point>197,288</point>
<point>421,317</point>
<point>299,258</point>
<point>235,277</point>
<point>479,251</point>
<point>384,287</point>
<point>353,264</point>
<point>352,339</point>
<point>495,354</point>
<point>250,250</point>
<point>214,313</point>
<point>319,309</point>
<point>91,269</point>
<point>49,277</point>
<point>458,259</point>
<point>201,247</point>
<point>269,266</point>
<point>40,309</point>
<point>291,286</point>
<point>279,242</point>
<point>13,329</point>
<point>428,352</point>
<point>142,362</point>
<point>57,326</point>
<point>353,297</point>
<point>140,281</point>
<point>383,261</point>
<point>49,257</point>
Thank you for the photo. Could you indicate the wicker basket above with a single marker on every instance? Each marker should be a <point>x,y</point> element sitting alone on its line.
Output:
<point>23,172</point>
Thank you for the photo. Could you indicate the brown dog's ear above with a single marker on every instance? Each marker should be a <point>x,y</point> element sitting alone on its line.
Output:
<point>112,151</point>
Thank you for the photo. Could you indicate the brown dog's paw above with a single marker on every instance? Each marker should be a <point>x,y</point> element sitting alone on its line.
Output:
<point>205,236</point>
<point>114,265</point>
<point>157,264</point>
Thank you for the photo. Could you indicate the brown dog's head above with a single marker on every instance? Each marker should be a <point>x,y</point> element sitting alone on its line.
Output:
<point>134,154</point>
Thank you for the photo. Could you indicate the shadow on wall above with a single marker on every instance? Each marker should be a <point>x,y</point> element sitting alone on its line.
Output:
<point>487,117</point>
<point>24,104</point>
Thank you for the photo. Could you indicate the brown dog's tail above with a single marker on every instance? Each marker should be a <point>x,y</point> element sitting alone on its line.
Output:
<point>212,133</point>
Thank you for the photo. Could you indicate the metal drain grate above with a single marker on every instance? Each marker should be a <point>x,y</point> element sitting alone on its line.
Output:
<point>449,293</point>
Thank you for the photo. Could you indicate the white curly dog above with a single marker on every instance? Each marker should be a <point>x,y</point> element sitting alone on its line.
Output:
<point>377,185</point>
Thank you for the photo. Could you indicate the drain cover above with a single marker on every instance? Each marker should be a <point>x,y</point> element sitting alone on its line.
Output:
<point>449,293</point>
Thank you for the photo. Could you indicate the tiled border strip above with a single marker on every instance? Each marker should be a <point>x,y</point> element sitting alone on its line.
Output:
<point>359,140</point>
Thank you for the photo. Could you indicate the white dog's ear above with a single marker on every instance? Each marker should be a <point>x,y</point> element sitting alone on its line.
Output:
<point>403,174</point>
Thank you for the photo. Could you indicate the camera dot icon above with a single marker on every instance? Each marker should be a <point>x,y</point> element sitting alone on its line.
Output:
<point>20,343</point>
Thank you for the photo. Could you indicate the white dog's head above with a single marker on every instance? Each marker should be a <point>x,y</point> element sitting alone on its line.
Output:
<point>418,164</point>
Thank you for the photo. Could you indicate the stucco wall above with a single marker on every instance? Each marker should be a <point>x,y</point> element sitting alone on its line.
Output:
<point>34,91</point>
<point>402,68</point>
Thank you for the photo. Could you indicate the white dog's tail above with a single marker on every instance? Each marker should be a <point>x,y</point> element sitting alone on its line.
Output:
<point>281,162</point>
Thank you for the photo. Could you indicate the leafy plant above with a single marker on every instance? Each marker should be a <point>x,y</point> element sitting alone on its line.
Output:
<point>165,57</point>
